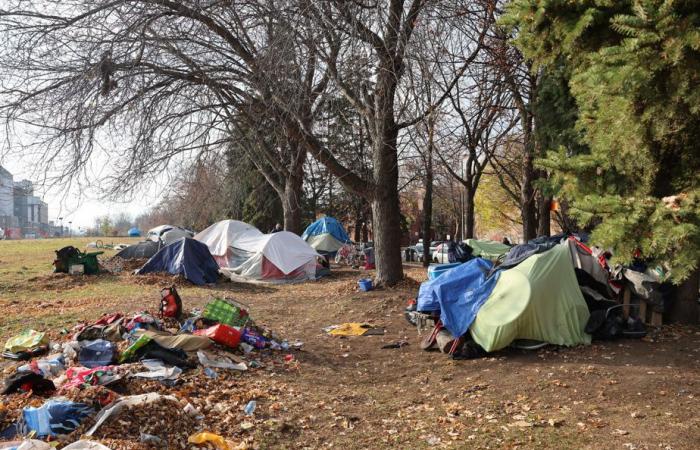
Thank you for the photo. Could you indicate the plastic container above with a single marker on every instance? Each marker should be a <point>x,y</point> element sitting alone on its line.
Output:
<point>76,269</point>
<point>435,270</point>
<point>365,284</point>
<point>250,408</point>
<point>221,334</point>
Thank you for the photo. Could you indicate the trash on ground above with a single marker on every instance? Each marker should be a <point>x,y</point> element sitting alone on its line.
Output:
<point>354,329</point>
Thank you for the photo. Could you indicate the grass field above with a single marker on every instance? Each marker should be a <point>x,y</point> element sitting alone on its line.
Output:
<point>350,393</point>
<point>40,297</point>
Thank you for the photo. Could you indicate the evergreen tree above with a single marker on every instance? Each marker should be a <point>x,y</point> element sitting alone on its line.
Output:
<point>634,70</point>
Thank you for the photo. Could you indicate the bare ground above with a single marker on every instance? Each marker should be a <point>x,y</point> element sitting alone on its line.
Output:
<point>350,393</point>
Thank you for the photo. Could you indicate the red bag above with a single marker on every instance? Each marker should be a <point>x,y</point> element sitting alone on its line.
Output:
<point>170,303</point>
<point>221,334</point>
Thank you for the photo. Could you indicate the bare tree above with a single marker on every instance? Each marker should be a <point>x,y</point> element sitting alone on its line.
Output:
<point>146,82</point>
<point>367,49</point>
<point>141,83</point>
<point>522,83</point>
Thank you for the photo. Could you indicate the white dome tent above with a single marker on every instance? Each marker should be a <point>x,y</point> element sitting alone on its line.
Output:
<point>221,238</point>
<point>281,257</point>
<point>167,234</point>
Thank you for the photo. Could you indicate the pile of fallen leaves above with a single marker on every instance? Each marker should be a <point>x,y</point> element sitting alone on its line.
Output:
<point>116,264</point>
<point>160,279</point>
<point>162,424</point>
<point>59,281</point>
<point>406,283</point>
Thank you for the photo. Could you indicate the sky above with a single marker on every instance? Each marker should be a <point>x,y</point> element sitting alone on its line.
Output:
<point>79,208</point>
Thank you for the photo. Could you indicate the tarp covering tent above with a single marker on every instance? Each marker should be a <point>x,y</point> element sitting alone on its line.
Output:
<point>222,236</point>
<point>458,294</point>
<point>326,235</point>
<point>185,257</point>
<point>141,250</point>
<point>275,258</point>
<point>538,299</point>
<point>487,249</point>
<point>167,234</point>
<point>134,232</point>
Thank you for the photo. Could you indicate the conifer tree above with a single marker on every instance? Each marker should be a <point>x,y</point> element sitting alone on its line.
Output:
<point>634,70</point>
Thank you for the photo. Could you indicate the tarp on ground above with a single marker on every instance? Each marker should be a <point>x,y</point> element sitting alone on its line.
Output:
<point>186,257</point>
<point>537,299</point>
<point>276,257</point>
<point>458,294</point>
<point>326,235</point>
<point>221,237</point>
<point>141,250</point>
<point>134,232</point>
<point>487,249</point>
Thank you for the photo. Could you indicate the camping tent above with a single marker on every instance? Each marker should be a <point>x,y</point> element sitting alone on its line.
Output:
<point>281,257</point>
<point>134,232</point>
<point>326,235</point>
<point>487,249</point>
<point>144,249</point>
<point>222,236</point>
<point>185,257</point>
<point>537,299</point>
<point>167,234</point>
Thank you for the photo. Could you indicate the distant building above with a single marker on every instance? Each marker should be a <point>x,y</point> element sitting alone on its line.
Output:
<point>22,214</point>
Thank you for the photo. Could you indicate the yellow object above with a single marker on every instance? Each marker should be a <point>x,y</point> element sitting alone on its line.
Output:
<point>350,329</point>
<point>211,438</point>
<point>25,341</point>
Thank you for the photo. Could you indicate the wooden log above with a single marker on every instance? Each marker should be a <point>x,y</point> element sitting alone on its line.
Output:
<point>643,311</point>
<point>626,302</point>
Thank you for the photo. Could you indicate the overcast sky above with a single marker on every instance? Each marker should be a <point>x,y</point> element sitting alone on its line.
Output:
<point>79,208</point>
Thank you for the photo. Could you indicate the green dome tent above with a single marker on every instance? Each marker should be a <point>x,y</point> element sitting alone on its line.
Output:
<point>538,299</point>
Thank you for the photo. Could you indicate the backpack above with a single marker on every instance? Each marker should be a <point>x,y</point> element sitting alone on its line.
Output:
<point>170,303</point>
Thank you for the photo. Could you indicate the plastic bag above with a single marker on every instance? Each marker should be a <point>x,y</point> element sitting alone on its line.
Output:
<point>208,360</point>
<point>26,340</point>
<point>96,353</point>
<point>209,438</point>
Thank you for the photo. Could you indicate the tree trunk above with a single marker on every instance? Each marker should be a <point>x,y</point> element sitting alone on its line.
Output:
<point>387,237</point>
<point>543,216</point>
<point>427,211</point>
<point>685,308</point>
<point>291,200</point>
<point>357,231</point>
<point>386,210</point>
<point>469,213</point>
<point>527,198</point>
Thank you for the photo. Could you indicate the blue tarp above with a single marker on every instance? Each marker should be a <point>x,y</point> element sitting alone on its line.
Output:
<point>186,257</point>
<point>134,232</point>
<point>458,294</point>
<point>327,225</point>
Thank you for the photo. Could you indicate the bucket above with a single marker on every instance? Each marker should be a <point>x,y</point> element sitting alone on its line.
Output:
<point>76,269</point>
<point>365,284</point>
